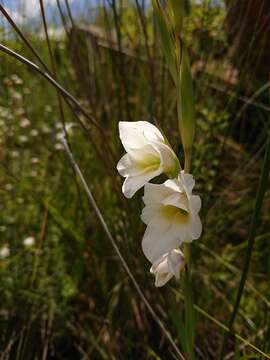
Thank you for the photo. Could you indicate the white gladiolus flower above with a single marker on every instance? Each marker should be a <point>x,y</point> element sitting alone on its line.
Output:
<point>171,216</point>
<point>4,252</point>
<point>29,241</point>
<point>167,266</point>
<point>148,155</point>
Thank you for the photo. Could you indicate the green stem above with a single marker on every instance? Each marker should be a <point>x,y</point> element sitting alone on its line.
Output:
<point>251,238</point>
<point>187,160</point>
<point>189,308</point>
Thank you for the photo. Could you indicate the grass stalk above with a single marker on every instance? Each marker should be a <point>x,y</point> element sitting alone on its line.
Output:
<point>189,308</point>
<point>188,292</point>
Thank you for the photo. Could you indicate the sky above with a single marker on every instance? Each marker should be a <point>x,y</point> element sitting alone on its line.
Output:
<point>28,10</point>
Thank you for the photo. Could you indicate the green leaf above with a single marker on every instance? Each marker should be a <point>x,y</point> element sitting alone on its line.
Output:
<point>176,10</point>
<point>185,103</point>
<point>166,37</point>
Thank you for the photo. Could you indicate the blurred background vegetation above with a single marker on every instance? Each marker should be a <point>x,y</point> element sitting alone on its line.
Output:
<point>64,293</point>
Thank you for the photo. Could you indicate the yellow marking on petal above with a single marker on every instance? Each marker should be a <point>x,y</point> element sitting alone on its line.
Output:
<point>149,161</point>
<point>174,213</point>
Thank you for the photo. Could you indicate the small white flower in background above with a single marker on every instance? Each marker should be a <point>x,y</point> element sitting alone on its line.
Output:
<point>3,228</point>
<point>25,123</point>
<point>58,146</point>
<point>8,187</point>
<point>16,79</point>
<point>34,160</point>
<point>19,111</point>
<point>167,266</point>
<point>48,108</point>
<point>15,154</point>
<point>59,125</point>
<point>23,138</point>
<point>34,132</point>
<point>4,252</point>
<point>171,216</point>
<point>148,155</point>
<point>59,136</point>
<point>33,173</point>
<point>46,130</point>
<point>68,128</point>
<point>29,241</point>
<point>16,95</point>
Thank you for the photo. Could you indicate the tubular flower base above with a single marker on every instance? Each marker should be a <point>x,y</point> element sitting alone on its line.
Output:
<point>148,155</point>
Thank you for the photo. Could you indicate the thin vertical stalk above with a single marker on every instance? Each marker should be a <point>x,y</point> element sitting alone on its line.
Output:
<point>69,13</point>
<point>54,71</point>
<point>188,304</point>
<point>150,61</point>
<point>251,239</point>
<point>62,16</point>
<point>121,60</point>
<point>188,292</point>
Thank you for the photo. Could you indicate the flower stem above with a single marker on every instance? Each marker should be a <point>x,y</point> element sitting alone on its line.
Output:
<point>187,160</point>
<point>189,308</point>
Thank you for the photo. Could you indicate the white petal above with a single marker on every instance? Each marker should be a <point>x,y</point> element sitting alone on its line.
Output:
<point>150,131</point>
<point>178,200</point>
<point>169,161</point>
<point>162,278</point>
<point>180,231</point>
<point>195,227</point>
<point>173,185</point>
<point>155,194</point>
<point>167,266</point>
<point>134,183</point>
<point>160,262</point>
<point>155,242</point>
<point>131,135</point>
<point>145,156</point>
<point>160,269</point>
<point>187,181</point>
<point>136,134</point>
<point>126,166</point>
<point>149,212</point>
<point>175,262</point>
<point>188,239</point>
<point>137,161</point>
<point>196,203</point>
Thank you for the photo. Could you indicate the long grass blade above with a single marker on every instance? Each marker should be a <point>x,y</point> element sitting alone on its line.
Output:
<point>224,327</point>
